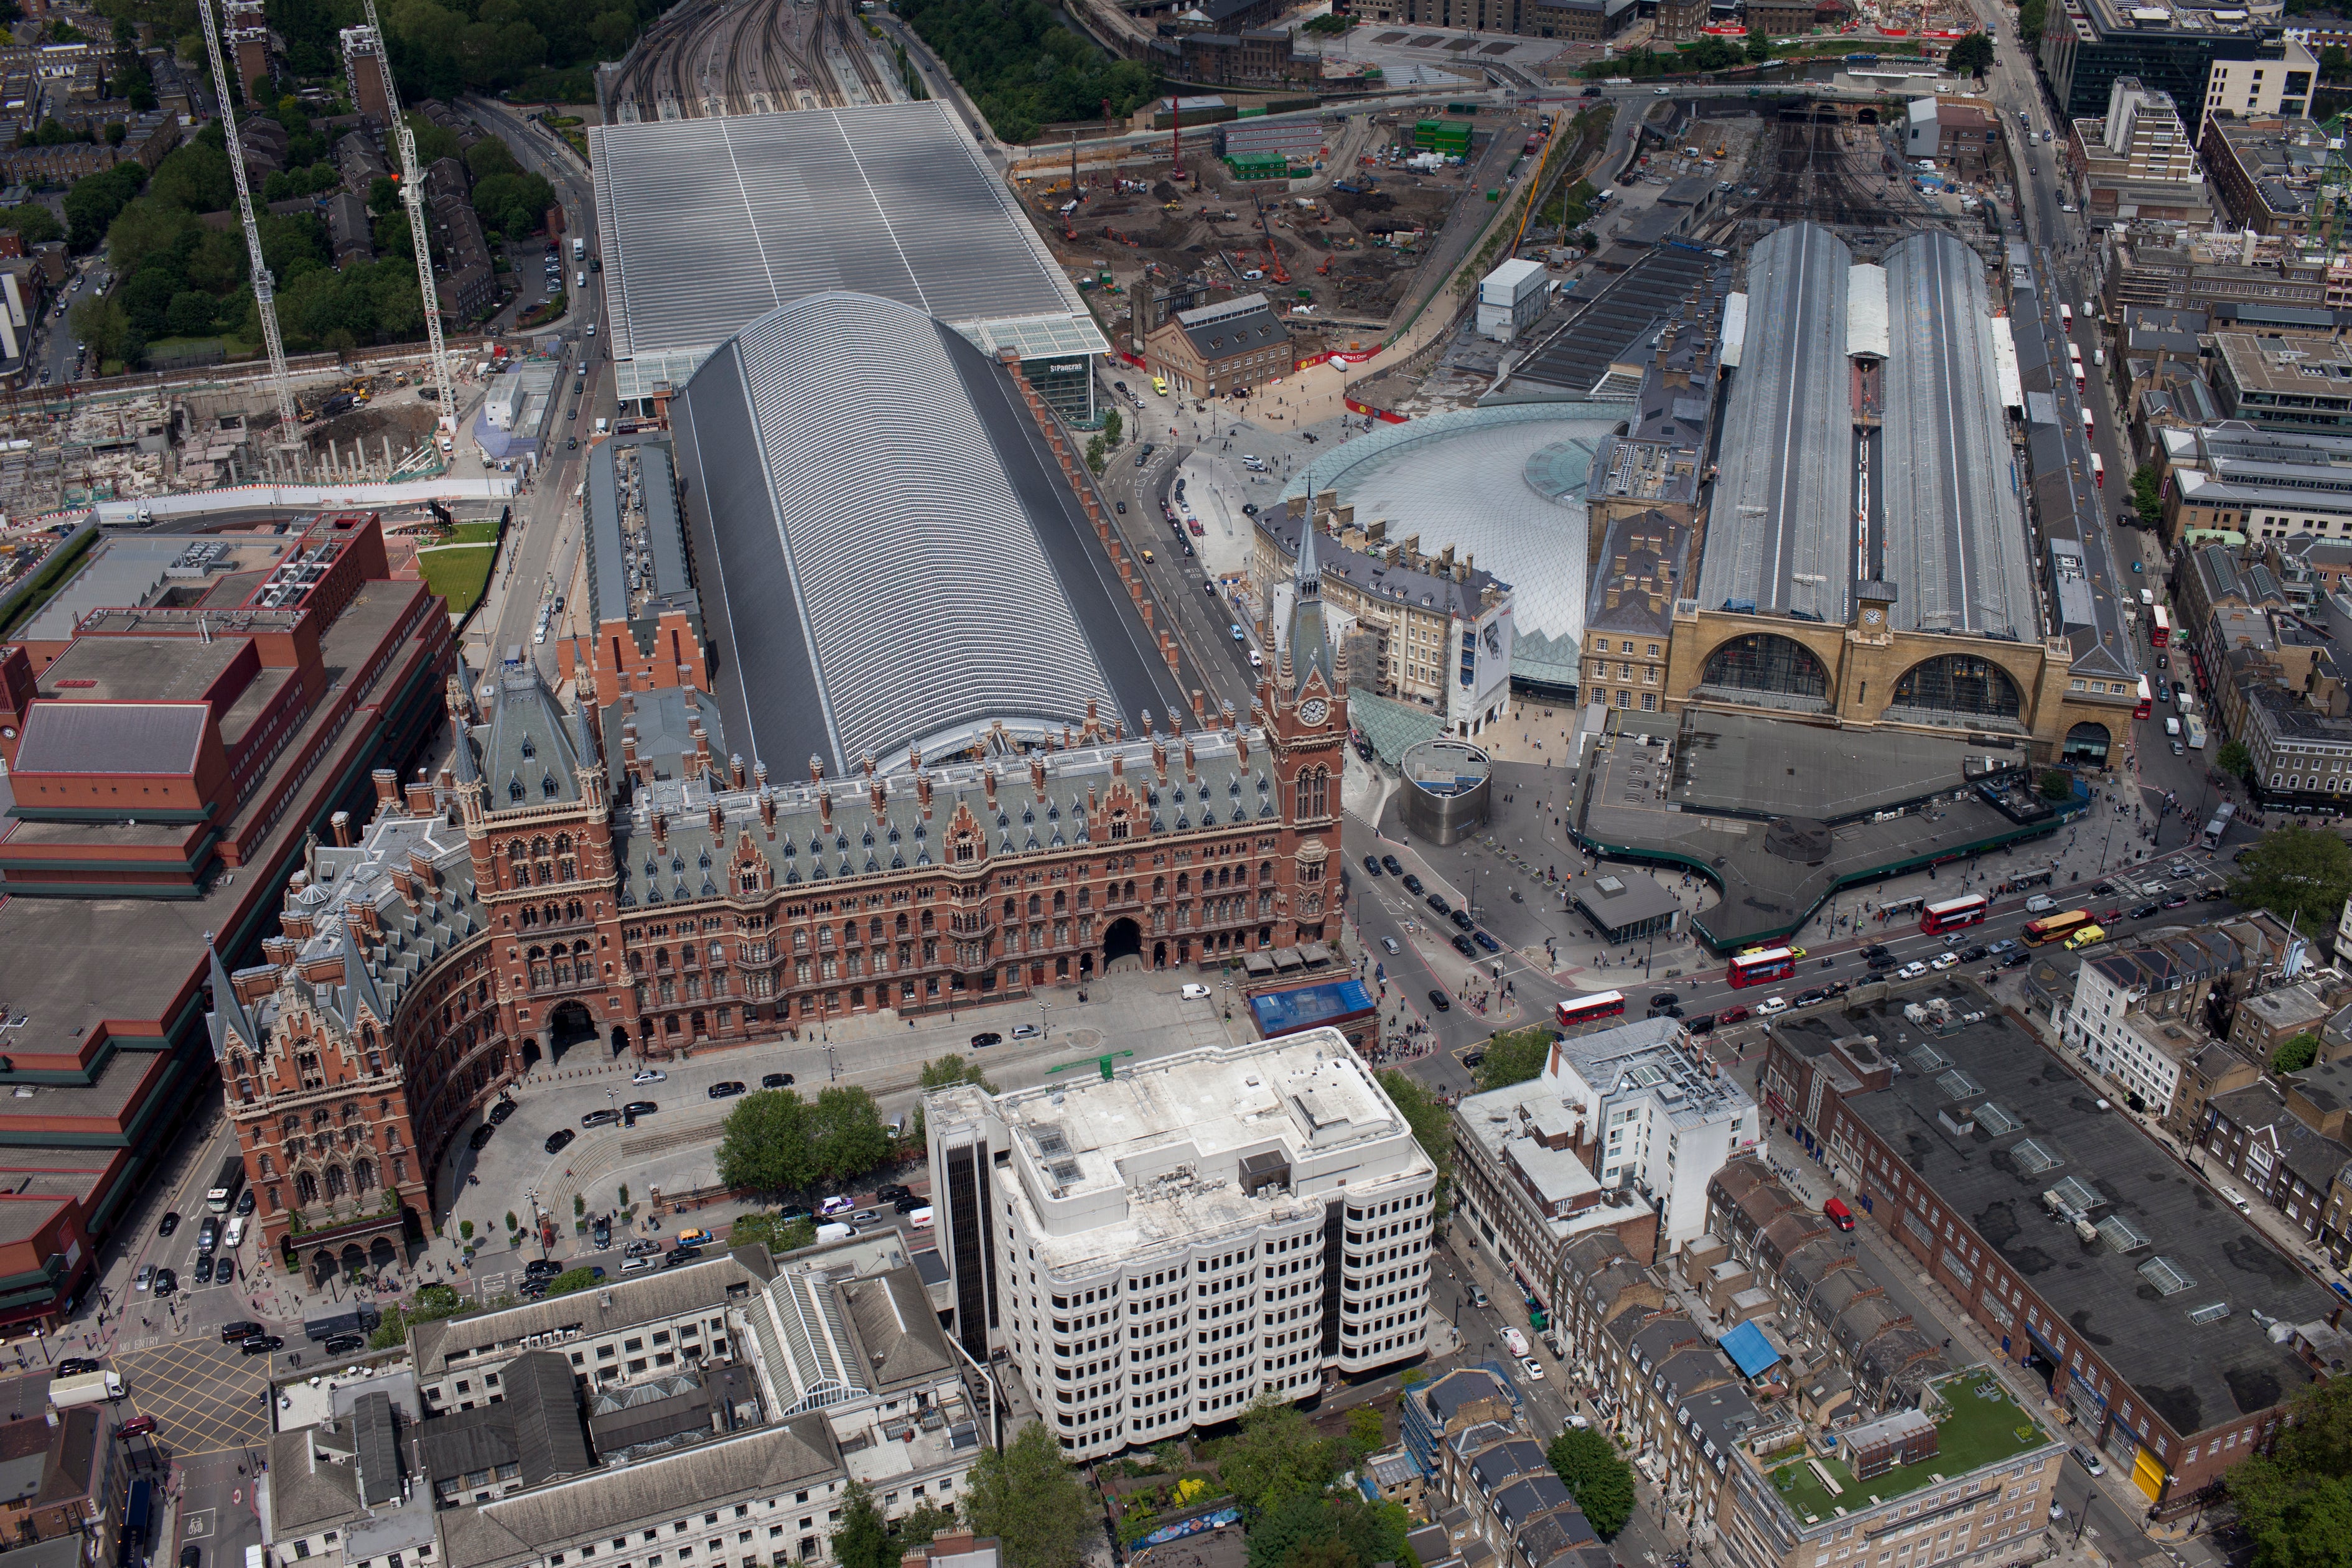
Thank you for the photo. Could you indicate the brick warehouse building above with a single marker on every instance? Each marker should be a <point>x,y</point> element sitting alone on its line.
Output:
<point>198,708</point>
<point>2085,1251</point>
<point>506,912</point>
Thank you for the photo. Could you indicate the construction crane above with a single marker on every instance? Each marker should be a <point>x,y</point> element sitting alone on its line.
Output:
<point>264,297</point>
<point>412,196</point>
<point>1273,256</point>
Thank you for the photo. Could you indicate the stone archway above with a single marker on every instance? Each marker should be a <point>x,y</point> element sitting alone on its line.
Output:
<point>1123,940</point>
<point>568,1024</point>
<point>2087,742</point>
<point>531,1055</point>
<point>353,1260</point>
<point>1159,955</point>
<point>322,1267</point>
<point>383,1253</point>
<point>1765,664</point>
<point>1967,686</point>
<point>620,1039</point>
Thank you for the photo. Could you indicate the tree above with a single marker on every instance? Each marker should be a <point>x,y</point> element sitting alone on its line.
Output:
<point>1430,1120</point>
<point>572,1279</point>
<point>1113,428</point>
<point>1603,1483</point>
<point>864,1539</point>
<point>2297,873</point>
<point>2030,16</point>
<point>765,1144</point>
<point>100,324</point>
<point>771,1232</point>
<point>846,1127</point>
<point>1277,1457</point>
<point>2296,1054</point>
<point>947,1072</point>
<point>95,199</point>
<point>2295,1502</point>
<point>1514,1058</point>
<point>1025,1496</point>
<point>919,1525</point>
<point>2234,759</point>
<point>2056,784</point>
<point>2335,62</point>
<point>2147,498</point>
<point>1095,454</point>
<point>1972,54</point>
<point>34,223</point>
<point>1365,1429</point>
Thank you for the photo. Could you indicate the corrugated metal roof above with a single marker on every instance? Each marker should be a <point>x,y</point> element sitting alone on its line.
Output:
<point>111,737</point>
<point>1865,311</point>
<point>706,225</point>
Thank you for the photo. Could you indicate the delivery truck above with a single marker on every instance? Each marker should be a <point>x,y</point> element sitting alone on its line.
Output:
<point>85,1388</point>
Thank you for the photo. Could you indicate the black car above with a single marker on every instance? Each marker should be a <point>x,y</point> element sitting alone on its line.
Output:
<point>1488,942</point>
<point>559,1138</point>
<point>2142,911</point>
<point>1461,919</point>
<point>678,1255</point>
<point>1971,954</point>
<point>1665,999</point>
<point>208,1235</point>
<point>1392,866</point>
<point>2017,960</point>
<point>261,1344</point>
<point>1880,960</point>
<point>1371,866</point>
<point>203,1268</point>
<point>570,443</point>
<point>1412,883</point>
<point>891,1192</point>
<point>165,1282</point>
<point>2103,889</point>
<point>1702,1025</point>
<point>1669,1012</point>
<point>910,1204</point>
<point>1462,946</point>
<point>776,1080</point>
<point>169,1222</point>
<point>75,1365</point>
<point>481,1137</point>
<point>1808,998</point>
<point>982,1041</point>
<point>722,1091</point>
<point>2212,895</point>
<point>1437,904</point>
<point>244,1201</point>
<point>1875,950</point>
<point>541,1269</point>
<point>1437,999</point>
<point>640,1108</point>
<point>191,1555</point>
<point>1473,1058</point>
<point>343,1344</point>
<point>603,1118</point>
<point>1837,988</point>
<point>501,1111</point>
<point>599,1231</point>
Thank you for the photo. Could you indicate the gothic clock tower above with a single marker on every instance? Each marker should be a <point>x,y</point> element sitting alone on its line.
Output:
<point>1303,707</point>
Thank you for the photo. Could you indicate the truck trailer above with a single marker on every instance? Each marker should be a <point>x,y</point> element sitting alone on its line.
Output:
<point>85,1388</point>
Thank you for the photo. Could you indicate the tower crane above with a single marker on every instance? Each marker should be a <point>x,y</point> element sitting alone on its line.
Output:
<point>264,296</point>
<point>412,196</point>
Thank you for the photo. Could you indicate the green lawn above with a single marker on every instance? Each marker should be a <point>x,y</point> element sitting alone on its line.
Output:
<point>458,572</point>
<point>1972,1430</point>
<point>484,532</point>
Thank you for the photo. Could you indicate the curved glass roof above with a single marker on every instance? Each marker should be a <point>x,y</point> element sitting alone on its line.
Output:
<point>1503,485</point>
<point>892,561</point>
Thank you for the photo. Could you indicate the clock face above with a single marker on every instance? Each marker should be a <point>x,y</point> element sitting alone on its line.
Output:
<point>1313,710</point>
<point>1873,617</point>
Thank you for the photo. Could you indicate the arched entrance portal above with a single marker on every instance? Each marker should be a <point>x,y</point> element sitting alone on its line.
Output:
<point>322,1267</point>
<point>1124,940</point>
<point>1768,663</point>
<point>2087,742</point>
<point>1957,685</point>
<point>620,1039</point>
<point>566,1028</point>
<point>381,1253</point>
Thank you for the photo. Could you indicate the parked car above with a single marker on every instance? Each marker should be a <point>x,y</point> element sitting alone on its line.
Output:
<point>643,1247</point>
<point>541,1269</point>
<point>603,1118</point>
<point>641,1108</point>
<point>344,1344</point>
<point>1488,942</point>
<point>986,1039</point>
<point>481,1137</point>
<point>559,1138</point>
<point>649,1075</point>
<point>600,1230</point>
<point>776,1080</point>
<point>2178,900</point>
<point>727,1090</point>
<point>1437,999</point>
<point>1193,991</point>
<point>1025,1031</point>
<point>1437,905</point>
<point>1391,865</point>
<point>262,1344</point>
<point>678,1255</point>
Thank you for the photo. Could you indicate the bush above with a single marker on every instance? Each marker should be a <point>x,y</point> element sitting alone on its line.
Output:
<point>2056,784</point>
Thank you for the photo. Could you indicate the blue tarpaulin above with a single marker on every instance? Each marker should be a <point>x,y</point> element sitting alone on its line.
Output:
<point>1283,1012</point>
<point>1749,1351</point>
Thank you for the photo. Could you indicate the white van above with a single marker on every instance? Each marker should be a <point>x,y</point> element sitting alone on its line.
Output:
<point>234,1234</point>
<point>2171,727</point>
<point>2039,904</point>
<point>921,1219</point>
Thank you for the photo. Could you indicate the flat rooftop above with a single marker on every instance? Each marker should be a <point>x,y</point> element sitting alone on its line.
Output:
<point>1734,773</point>
<point>1609,336</point>
<point>1977,1424</point>
<point>137,669</point>
<point>2184,1249</point>
<point>213,572</point>
<point>706,225</point>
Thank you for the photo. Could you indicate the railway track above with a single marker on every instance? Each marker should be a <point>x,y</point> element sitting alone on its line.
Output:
<point>708,58</point>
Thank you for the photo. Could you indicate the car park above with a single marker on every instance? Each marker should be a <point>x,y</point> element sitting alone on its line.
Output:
<point>1437,999</point>
<point>559,1138</point>
<point>725,1090</point>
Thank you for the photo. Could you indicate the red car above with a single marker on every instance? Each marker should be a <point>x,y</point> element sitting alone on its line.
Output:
<point>1194,525</point>
<point>2108,916</point>
<point>1731,1016</point>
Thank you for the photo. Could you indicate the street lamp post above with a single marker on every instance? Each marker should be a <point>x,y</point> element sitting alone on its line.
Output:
<point>1045,1031</point>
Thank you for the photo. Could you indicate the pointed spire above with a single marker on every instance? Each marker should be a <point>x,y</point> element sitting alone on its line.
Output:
<point>359,983</point>
<point>227,1009</point>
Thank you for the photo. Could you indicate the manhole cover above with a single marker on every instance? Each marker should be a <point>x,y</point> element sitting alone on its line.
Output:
<point>1086,1039</point>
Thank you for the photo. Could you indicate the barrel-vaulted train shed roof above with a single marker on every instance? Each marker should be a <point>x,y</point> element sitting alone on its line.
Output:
<point>704,226</point>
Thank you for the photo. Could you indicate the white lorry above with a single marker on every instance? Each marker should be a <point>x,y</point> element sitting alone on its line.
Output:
<point>85,1388</point>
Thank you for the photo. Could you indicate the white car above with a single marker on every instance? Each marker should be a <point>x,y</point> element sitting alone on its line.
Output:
<point>1194,992</point>
<point>1944,961</point>
<point>1535,1372</point>
<point>649,1075</point>
<point>1772,1004</point>
<point>2057,1512</point>
<point>1911,971</point>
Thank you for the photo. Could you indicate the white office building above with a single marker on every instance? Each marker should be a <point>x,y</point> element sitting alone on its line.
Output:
<point>1155,1249</point>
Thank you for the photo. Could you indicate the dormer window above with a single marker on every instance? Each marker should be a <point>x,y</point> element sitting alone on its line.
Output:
<point>529,749</point>
<point>515,790</point>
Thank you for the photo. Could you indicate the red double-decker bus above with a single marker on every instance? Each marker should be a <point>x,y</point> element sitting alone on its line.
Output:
<point>2145,703</point>
<point>1953,913</point>
<point>2160,626</point>
<point>1763,966</point>
<point>1590,1009</point>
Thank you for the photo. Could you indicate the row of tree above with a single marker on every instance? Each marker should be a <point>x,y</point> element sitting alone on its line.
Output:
<point>775,1142</point>
<point>1024,67</point>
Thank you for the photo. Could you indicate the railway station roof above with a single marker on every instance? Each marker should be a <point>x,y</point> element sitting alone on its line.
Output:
<point>892,560</point>
<point>704,226</point>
